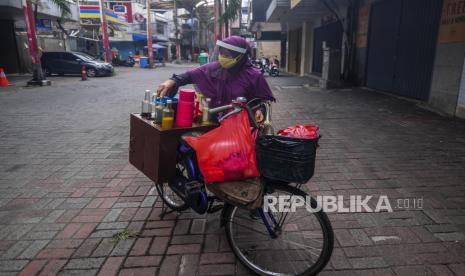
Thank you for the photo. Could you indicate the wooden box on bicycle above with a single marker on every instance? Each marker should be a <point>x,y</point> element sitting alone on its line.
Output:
<point>153,150</point>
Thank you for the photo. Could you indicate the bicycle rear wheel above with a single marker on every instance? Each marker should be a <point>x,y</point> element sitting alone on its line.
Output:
<point>302,245</point>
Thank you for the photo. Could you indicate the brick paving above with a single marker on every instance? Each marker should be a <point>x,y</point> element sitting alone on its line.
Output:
<point>66,186</point>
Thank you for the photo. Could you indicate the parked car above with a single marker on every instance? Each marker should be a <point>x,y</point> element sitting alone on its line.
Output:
<point>71,63</point>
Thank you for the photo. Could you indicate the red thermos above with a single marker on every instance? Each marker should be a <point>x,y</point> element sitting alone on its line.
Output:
<point>185,111</point>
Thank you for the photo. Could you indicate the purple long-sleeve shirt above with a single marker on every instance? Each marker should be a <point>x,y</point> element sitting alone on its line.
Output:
<point>224,85</point>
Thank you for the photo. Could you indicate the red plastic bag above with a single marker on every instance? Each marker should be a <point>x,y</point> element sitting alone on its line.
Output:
<point>227,153</point>
<point>300,131</point>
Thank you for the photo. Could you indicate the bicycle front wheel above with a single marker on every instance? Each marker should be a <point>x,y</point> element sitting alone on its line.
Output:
<point>172,192</point>
<point>301,245</point>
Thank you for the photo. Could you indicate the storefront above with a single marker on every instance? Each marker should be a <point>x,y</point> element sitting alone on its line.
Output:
<point>401,46</point>
<point>330,34</point>
<point>295,49</point>
<point>9,59</point>
<point>89,36</point>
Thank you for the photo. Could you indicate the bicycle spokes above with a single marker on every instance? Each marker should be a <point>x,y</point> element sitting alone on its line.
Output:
<point>280,243</point>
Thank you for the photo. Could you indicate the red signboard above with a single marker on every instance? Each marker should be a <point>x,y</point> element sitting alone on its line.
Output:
<point>129,12</point>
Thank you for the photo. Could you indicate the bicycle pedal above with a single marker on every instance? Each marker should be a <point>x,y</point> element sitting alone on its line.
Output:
<point>193,186</point>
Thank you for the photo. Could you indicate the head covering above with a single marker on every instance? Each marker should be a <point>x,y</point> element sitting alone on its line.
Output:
<point>224,85</point>
<point>236,44</point>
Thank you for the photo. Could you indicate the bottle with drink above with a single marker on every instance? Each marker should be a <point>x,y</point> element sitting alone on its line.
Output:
<point>167,120</point>
<point>153,106</point>
<point>205,112</point>
<point>198,107</point>
<point>145,110</point>
<point>158,111</point>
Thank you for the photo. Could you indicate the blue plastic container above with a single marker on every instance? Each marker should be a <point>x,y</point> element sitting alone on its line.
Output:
<point>174,103</point>
<point>144,62</point>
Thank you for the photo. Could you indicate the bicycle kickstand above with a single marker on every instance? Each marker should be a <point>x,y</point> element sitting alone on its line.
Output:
<point>164,210</point>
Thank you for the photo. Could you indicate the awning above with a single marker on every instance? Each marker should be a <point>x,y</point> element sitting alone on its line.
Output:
<point>157,46</point>
<point>140,37</point>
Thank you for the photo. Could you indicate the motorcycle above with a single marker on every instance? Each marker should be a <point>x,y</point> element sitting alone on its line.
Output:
<point>129,62</point>
<point>257,64</point>
<point>273,71</point>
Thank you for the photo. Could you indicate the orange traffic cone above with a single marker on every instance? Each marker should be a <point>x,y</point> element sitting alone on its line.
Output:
<point>83,73</point>
<point>3,80</point>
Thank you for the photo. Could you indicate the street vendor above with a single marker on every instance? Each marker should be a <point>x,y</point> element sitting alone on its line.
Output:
<point>229,76</point>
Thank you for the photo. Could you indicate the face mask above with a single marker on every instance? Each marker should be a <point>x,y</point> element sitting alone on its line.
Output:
<point>227,62</point>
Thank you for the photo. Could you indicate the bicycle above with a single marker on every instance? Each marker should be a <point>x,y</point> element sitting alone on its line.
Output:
<point>265,241</point>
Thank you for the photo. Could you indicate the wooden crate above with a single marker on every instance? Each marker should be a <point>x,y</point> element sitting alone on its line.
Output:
<point>153,150</point>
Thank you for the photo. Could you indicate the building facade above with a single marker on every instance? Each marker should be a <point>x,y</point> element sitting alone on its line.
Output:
<point>269,39</point>
<point>409,48</point>
<point>127,28</point>
<point>51,32</point>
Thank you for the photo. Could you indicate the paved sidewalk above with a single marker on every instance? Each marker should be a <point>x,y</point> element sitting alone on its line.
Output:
<point>66,186</point>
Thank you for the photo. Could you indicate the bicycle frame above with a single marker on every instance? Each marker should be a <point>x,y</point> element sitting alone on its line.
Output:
<point>195,173</point>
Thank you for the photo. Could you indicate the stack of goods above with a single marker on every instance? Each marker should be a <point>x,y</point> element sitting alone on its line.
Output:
<point>170,112</point>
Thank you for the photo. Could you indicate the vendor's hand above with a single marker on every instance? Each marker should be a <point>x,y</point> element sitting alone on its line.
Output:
<point>259,116</point>
<point>165,88</point>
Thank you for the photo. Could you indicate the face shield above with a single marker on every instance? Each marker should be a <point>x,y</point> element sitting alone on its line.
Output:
<point>229,56</point>
<point>227,50</point>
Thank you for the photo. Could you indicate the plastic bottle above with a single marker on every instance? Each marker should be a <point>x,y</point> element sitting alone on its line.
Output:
<point>205,112</point>
<point>153,106</point>
<point>158,110</point>
<point>145,112</point>
<point>168,116</point>
<point>198,107</point>
<point>185,112</point>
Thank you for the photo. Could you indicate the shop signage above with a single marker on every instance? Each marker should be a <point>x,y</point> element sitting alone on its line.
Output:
<point>452,28</point>
<point>139,17</point>
<point>93,12</point>
<point>119,9</point>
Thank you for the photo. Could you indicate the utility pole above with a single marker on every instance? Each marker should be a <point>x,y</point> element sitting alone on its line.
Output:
<point>192,31</point>
<point>37,74</point>
<point>225,23</point>
<point>149,34</point>
<point>176,32</point>
<point>105,38</point>
<point>216,27</point>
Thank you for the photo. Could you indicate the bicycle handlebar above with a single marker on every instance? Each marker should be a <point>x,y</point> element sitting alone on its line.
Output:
<point>220,109</point>
<point>237,108</point>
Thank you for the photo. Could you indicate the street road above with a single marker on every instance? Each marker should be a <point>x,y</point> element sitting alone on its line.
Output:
<point>66,186</point>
